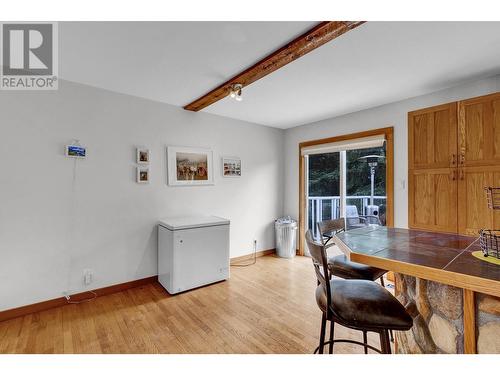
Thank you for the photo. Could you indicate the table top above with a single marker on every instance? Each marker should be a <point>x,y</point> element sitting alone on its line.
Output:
<point>445,258</point>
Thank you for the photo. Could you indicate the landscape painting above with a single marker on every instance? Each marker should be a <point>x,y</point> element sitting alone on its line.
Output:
<point>189,166</point>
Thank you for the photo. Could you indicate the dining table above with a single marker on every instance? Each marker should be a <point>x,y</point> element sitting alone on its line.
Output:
<point>450,288</point>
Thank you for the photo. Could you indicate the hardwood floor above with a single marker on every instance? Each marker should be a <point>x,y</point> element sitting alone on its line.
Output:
<point>265,308</point>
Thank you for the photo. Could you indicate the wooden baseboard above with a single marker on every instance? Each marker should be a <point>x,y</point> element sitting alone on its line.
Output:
<point>58,302</point>
<point>247,257</point>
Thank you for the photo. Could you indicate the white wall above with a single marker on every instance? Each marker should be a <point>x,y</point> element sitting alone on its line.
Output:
<point>394,114</point>
<point>59,216</point>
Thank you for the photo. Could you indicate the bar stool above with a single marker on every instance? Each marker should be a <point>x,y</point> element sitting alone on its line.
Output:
<point>339,265</point>
<point>361,305</point>
<point>342,267</point>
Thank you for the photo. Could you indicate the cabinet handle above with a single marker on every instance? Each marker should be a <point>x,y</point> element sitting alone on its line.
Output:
<point>453,159</point>
<point>453,175</point>
<point>461,174</point>
<point>462,158</point>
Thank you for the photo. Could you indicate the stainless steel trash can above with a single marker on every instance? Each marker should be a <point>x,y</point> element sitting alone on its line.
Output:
<point>286,237</point>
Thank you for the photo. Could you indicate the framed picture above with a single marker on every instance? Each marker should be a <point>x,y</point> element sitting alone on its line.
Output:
<point>142,156</point>
<point>143,175</point>
<point>190,166</point>
<point>231,166</point>
<point>76,151</point>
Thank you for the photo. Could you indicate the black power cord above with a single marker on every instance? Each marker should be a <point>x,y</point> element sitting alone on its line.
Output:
<point>254,257</point>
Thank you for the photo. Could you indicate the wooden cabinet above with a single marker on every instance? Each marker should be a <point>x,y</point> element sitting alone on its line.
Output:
<point>433,199</point>
<point>453,154</point>
<point>432,137</point>
<point>432,156</point>
<point>479,128</point>
<point>473,211</point>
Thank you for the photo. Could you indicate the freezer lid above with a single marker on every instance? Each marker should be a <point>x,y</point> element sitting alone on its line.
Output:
<point>186,222</point>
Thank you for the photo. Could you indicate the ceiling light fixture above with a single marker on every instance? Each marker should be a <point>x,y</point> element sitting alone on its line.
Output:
<point>235,91</point>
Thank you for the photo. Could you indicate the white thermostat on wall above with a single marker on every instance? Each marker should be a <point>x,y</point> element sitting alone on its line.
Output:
<point>76,151</point>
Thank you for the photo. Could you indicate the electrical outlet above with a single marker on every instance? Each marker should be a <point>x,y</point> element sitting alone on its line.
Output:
<point>88,276</point>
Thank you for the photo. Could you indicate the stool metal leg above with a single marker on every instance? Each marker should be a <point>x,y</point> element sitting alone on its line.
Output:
<point>322,334</point>
<point>365,341</point>
<point>385,344</point>
<point>332,327</point>
<point>382,342</point>
<point>388,342</point>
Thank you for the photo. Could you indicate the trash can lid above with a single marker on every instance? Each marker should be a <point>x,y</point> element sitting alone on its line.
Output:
<point>285,220</point>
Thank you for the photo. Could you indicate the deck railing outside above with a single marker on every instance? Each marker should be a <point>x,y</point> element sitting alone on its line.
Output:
<point>326,208</point>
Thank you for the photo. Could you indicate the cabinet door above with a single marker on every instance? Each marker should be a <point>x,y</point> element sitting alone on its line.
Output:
<point>432,137</point>
<point>479,131</point>
<point>432,200</point>
<point>473,211</point>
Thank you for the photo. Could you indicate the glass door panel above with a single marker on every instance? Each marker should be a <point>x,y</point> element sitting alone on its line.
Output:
<point>365,187</point>
<point>323,189</point>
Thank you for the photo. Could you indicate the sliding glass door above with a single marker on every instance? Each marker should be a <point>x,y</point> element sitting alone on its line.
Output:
<point>349,183</point>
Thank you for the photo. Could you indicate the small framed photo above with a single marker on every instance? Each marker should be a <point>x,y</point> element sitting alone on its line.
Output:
<point>76,151</point>
<point>231,166</point>
<point>142,155</point>
<point>143,175</point>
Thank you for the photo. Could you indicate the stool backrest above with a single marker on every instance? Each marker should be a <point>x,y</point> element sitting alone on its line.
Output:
<point>318,255</point>
<point>327,226</point>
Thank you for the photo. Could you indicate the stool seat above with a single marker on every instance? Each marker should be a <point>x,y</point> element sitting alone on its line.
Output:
<point>364,304</point>
<point>340,266</point>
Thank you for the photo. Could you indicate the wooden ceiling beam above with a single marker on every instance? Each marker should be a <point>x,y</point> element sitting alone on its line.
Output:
<point>322,33</point>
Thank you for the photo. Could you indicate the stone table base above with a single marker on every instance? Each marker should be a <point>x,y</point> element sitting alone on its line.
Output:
<point>437,312</point>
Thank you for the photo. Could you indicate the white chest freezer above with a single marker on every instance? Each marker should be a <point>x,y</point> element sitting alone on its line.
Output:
<point>192,251</point>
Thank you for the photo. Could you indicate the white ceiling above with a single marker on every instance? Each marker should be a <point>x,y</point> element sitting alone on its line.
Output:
<point>171,62</point>
<point>377,63</point>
